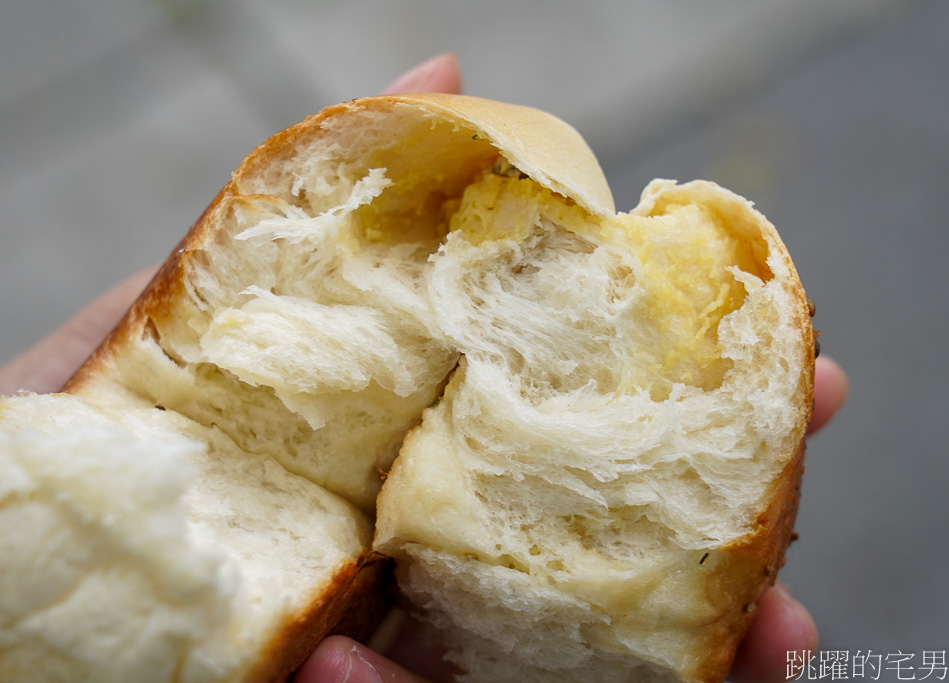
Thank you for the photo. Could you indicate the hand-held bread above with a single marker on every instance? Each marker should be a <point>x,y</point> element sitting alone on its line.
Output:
<point>604,414</point>
<point>610,478</point>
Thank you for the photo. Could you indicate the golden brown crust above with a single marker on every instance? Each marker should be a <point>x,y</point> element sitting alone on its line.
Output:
<point>750,569</point>
<point>753,561</point>
<point>353,604</point>
<point>369,600</point>
<point>555,158</point>
<point>538,144</point>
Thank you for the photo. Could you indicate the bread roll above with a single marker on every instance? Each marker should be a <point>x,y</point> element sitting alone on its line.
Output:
<point>603,418</point>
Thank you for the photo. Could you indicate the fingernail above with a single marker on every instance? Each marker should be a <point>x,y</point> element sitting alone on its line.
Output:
<point>417,78</point>
<point>361,669</point>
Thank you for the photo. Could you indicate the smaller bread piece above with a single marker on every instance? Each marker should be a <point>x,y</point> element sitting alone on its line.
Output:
<point>610,479</point>
<point>140,546</point>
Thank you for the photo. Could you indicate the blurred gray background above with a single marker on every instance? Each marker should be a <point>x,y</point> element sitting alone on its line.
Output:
<point>119,121</point>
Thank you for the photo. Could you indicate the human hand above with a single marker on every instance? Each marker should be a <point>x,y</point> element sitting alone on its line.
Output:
<point>781,624</point>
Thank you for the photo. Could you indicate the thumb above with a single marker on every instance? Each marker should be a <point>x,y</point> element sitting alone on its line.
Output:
<point>439,74</point>
<point>782,627</point>
<point>342,660</point>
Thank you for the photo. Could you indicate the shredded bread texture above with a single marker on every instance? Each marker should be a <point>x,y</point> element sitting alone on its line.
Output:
<point>593,444</point>
<point>585,425</point>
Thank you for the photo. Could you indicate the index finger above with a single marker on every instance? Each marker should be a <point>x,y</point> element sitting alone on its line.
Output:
<point>830,392</point>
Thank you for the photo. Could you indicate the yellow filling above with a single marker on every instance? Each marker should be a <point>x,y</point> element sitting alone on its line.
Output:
<point>686,258</point>
<point>678,265</point>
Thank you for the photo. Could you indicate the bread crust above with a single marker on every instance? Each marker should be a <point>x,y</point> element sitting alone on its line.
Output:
<point>752,567</point>
<point>555,156</point>
<point>353,605</point>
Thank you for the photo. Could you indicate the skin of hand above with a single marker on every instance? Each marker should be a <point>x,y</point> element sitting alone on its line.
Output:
<point>781,624</point>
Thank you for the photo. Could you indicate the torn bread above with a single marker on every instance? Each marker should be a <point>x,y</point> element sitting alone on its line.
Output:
<point>604,416</point>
